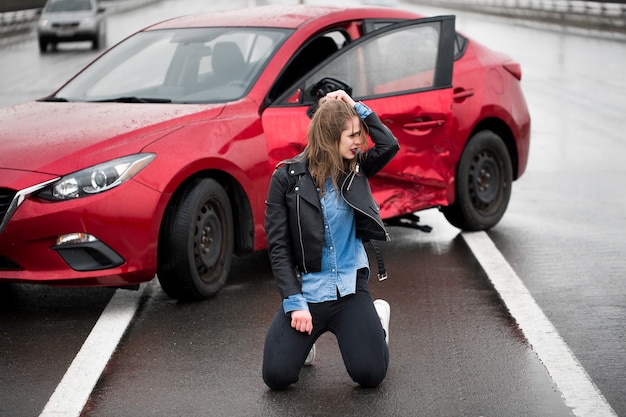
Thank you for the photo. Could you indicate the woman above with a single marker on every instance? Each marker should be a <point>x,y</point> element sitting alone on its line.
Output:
<point>319,210</point>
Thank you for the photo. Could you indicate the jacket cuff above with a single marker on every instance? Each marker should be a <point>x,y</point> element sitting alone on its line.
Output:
<point>295,302</point>
<point>362,110</point>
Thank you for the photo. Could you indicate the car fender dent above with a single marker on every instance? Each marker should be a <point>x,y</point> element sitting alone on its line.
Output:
<point>451,191</point>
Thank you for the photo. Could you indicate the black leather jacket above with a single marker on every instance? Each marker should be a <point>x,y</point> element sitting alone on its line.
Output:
<point>294,222</point>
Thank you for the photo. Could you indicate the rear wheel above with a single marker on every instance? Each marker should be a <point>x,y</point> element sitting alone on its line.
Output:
<point>196,242</point>
<point>483,183</point>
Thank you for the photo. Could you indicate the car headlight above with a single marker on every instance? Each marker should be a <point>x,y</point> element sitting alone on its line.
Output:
<point>88,22</point>
<point>96,179</point>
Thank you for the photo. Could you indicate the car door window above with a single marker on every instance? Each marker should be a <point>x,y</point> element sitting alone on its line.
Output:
<point>403,59</point>
<point>460,41</point>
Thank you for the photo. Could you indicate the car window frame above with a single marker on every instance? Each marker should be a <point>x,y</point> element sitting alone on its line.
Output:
<point>443,65</point>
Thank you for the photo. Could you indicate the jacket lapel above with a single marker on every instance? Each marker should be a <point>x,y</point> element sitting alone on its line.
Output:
<point>304,186</point>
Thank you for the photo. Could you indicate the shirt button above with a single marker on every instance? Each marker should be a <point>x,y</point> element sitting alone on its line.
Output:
<point>331,248</point>
<point>297,188</point>
<point>292,172</point>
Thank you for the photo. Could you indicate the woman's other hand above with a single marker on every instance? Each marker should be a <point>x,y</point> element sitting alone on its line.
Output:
<point>302,321</point>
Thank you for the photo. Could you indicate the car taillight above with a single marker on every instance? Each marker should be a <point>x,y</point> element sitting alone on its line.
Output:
<point>515,69</point>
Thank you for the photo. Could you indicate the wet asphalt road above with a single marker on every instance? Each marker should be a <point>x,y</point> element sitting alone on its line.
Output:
<point>455,349</point>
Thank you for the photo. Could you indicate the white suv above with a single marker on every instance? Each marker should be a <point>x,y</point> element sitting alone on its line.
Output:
<point>71,21</point>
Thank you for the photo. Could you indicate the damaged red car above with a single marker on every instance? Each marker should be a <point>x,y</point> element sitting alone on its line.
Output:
<point>155,159</point>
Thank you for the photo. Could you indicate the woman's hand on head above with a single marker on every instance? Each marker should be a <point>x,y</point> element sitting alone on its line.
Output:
<point>302,321</point>
<point>341,95</point>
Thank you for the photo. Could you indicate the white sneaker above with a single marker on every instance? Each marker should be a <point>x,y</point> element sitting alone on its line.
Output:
<point>384,312</point>
<point>310,357</point>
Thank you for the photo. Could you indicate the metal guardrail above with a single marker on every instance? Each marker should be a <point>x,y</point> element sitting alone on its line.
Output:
<point>20,21</point>
<point>23,22</point>
<point>598,15</point>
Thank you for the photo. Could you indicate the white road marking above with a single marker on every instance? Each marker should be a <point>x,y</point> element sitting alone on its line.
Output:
<point>576,387</point>
<point>71,395</point>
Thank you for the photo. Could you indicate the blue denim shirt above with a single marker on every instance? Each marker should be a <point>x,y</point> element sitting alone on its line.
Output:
<point>342,255</point>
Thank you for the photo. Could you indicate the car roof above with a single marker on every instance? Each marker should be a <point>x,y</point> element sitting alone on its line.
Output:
<point>289,17</point>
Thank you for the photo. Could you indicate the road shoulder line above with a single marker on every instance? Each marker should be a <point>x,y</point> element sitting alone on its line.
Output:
<point>576,387</point>
<point>74,390</point>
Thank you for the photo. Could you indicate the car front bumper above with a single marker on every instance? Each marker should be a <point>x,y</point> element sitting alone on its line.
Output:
<point>124,222</point>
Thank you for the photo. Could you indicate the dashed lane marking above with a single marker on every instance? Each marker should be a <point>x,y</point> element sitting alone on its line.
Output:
<point>71,395</point>
<point>576,387</point>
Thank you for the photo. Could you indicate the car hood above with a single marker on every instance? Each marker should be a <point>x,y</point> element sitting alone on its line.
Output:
<point>57,138</point>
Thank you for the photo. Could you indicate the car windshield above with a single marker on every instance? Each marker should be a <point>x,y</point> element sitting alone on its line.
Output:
<point>68,5</point>
<point>194,65</point>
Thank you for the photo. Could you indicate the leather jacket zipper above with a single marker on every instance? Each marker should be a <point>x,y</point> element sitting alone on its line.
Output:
<point>300,233</point>
<point>387,238</point>
<point>352,175</point>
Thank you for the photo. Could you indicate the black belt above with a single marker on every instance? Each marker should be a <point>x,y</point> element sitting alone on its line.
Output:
<point>382,272</point>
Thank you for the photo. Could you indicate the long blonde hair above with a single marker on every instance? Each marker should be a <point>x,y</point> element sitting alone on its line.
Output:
<point>324,137</point>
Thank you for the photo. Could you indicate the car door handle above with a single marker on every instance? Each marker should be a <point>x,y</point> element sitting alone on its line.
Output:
<point>423,127</point>
<point>461,94</point>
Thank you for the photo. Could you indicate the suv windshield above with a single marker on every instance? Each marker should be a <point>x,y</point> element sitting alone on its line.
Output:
<point>68,5</point>
<point>196,65</point>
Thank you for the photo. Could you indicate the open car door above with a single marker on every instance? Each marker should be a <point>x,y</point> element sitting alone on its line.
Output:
<point>404,73</point>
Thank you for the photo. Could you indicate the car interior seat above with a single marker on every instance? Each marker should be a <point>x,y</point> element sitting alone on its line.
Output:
<point>228,63</point>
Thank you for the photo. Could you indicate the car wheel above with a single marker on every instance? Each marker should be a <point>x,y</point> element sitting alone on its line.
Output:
<point>43,46</point>
<point>483,183</point>
<point>196,242</point>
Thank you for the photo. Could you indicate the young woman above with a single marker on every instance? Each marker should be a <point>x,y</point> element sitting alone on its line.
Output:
<point>319,209</point>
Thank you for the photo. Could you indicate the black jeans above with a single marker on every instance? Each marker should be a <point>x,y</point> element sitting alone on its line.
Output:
<point>355,323</point>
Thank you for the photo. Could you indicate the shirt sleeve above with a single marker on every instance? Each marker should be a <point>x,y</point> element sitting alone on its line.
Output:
<point>362,110</point>
<point>295,302</point>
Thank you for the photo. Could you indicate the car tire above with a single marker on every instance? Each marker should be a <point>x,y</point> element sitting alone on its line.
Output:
<point>483,181</point>
<point>43,46</point>
<point>196,242</point>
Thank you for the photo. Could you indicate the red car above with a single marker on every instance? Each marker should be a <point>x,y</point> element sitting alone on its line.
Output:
<point>156,157</point>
